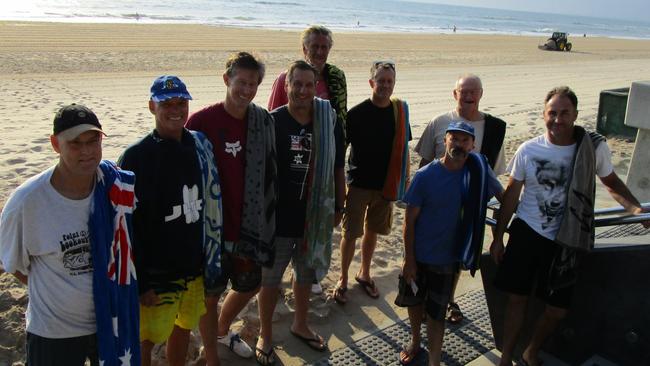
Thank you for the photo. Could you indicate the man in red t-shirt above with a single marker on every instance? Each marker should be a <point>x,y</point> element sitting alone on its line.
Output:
<point>229,125</point>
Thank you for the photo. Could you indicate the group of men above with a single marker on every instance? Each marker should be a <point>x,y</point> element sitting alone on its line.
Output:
<point>234,192</point>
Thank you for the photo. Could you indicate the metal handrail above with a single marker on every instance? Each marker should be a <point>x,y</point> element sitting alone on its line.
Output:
<point>599,221</point>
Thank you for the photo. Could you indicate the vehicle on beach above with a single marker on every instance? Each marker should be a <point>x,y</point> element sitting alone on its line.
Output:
<point>557,42</point>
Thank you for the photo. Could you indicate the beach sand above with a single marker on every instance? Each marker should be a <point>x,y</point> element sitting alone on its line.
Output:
<point>110,68</point>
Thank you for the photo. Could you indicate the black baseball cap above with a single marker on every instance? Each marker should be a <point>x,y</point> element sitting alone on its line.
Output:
<point>73,120</point>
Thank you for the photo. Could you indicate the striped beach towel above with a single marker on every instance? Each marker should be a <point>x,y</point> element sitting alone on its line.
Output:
<point>319,217</point>
<point>398,166</point>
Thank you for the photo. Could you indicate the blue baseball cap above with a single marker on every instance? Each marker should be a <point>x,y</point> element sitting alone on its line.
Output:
<point>461,127</point>
<point>167,87</point>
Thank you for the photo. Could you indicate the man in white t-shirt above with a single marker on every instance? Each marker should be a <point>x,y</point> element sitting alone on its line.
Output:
<point>543,167</point>
<point>45,243</point>
<point>490,132</point>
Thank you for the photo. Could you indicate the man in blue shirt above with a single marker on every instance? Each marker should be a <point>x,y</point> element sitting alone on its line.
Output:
<point>435,233</point>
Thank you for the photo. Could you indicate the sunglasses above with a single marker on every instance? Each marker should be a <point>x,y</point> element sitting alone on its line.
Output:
<point>383,63</point>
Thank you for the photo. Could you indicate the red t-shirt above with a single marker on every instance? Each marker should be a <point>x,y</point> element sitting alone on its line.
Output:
<point>228,137</point>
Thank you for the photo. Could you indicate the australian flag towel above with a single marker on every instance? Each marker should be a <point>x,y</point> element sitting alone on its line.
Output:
<point>115,288</point>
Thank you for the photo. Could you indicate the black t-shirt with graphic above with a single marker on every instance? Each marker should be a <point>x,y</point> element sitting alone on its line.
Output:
<point>293,142</point>
<point>167,221</point>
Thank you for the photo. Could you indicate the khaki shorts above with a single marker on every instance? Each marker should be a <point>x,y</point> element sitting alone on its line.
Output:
<point>183,308</point>
<point>366,206</point>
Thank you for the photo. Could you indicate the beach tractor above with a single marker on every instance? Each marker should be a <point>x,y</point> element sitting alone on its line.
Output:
<point>557,42</point>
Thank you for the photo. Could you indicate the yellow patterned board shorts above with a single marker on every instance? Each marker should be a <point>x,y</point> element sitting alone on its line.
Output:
<point>183,308</point>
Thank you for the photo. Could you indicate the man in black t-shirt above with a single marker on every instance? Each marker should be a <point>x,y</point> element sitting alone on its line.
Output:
<point>168,224</point>
<point>371,131</point>
<point>311,181</point>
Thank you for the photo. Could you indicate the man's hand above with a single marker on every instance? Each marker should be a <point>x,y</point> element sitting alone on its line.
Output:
<point>639,211</point>
<point>409,270</point>
<point>496,250</point>
<point>149,298</point>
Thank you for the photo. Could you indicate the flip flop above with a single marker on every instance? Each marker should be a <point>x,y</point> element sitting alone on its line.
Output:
<point>339,295</point>
<point>404,354</point>
<point>265,358</point>
<point>454,315</point>
<point>369,287</point>
<point>311,342</point>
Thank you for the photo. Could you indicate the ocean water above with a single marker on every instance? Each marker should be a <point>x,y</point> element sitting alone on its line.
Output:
<point>349,15</point>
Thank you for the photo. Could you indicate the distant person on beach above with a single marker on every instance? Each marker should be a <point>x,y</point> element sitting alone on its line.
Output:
<point>311,159</point>
<point>378,131</point>
<point>58,232</point>
<point>177,222</point>
<point>454,29</point>
<point>330,84</point>
<point>490,133</point>
<point>443,232</point>
<point>243,144</point>
<point>556,172</point>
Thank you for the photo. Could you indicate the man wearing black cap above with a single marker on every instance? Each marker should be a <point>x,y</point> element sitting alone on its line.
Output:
<point>177,192</point>
<point>444,219</point>
<point>46,232</point>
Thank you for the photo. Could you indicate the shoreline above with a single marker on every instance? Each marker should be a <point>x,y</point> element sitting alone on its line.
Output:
<point>299,27</point>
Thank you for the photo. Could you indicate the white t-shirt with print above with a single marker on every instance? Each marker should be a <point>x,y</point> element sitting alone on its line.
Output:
<point>432,143</point>
<point>545,169</point>
<point>44,235</point>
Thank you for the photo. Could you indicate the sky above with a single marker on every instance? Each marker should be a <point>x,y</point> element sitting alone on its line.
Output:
<point>620,9</point>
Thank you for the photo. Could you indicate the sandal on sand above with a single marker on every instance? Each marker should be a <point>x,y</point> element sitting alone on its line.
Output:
<point>454,315</point>
<point>407,358</point>
<point>369,287</point>
<point>339,295</point>
<point>265,358</point>
<point>314,342</point>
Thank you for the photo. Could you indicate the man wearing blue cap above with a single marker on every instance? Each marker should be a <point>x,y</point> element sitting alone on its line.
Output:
<point>444,223</point>
<point>177,193</point>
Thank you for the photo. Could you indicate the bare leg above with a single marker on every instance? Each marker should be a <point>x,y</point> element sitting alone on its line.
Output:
<point>347,253</point>
<point>301,294</point>
<point>233,304</point>
<point>515,309</point>
<point>266,301</point>
<point>177,344</point>
<point>435,333</point>
<point>368,244</point>
<point>415,318</point>
<point>145,352</point>
<point>545,326</point>
<point>208,329</point>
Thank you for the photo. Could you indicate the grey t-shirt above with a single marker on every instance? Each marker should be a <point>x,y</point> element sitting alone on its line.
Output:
<point>432,143</point>
<point>45,236</point>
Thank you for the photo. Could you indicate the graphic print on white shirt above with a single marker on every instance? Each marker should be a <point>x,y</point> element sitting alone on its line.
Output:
<point>233,148</point>
<point>75,248</point>
<point>191,206</point>
<point>552,177</point>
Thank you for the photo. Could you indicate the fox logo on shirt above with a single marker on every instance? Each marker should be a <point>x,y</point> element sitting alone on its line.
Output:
<point>191,206</point>
<point>233,148</point>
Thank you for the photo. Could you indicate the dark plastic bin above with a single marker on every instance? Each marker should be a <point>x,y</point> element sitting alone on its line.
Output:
<point>611,113</point>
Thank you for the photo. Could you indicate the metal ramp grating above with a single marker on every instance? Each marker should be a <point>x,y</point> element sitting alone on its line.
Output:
<point>462,343</point>
<point>621,231</point>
